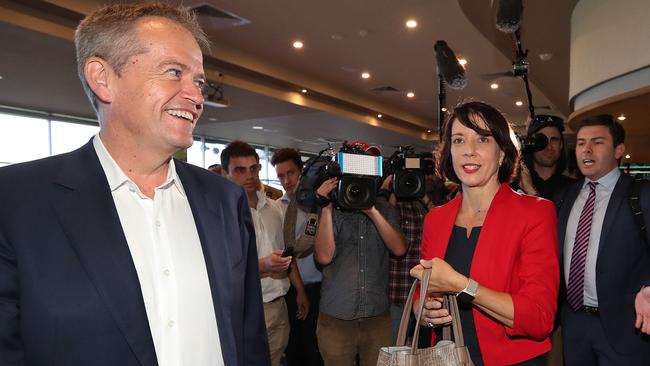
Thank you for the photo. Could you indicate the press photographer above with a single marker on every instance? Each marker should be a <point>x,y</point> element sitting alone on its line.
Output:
<point>544,158</point>
<point>353,245</point>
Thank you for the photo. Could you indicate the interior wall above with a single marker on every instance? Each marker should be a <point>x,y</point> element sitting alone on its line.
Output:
<point>608,39</point>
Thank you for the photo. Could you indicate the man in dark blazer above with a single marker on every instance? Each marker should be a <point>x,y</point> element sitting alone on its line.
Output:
<point>605,310</point>
<point>116,254</point>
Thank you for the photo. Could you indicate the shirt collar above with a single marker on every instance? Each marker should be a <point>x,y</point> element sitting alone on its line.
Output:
<point>116,177</point>
<point>608,181</point>
<point>261,200</point>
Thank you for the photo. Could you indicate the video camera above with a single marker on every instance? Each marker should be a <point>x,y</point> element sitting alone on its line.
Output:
<point>357,170</point>
<point>409,171</point>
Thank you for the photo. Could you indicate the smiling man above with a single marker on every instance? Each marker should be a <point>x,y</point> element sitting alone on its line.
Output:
<point>137,259</point>
<point>605,312</point>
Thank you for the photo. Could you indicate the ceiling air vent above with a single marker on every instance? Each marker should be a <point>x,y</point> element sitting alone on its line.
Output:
<point>385,90</point>
<point>217,18</point>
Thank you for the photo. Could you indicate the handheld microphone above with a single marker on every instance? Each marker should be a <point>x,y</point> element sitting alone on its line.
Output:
<point>449,67</point>
<point>509,15</point>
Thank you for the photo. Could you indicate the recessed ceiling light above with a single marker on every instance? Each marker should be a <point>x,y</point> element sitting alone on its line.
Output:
<point>462,61</point>
<point>519,103</point>
<point>258,127</point>
<point>411,23</point>
<point>443,109</point>
<point>627,156</point>
<point>428,131</point>
<point>621,117</point>
<point>494,86</point>
<point>545,56</point>
<point>410,94</point>
<point>0,77</point>
<point>212,119</point>
<point>379,115</point>
<point>297,45</point>
<point>304,91</point>
<point>365,75</point>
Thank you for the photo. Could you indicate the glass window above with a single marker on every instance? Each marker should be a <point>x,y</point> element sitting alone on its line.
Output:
<point>67,136</point>
<point>23,139</point>
<point>195,153</point>
<point>213,153</point>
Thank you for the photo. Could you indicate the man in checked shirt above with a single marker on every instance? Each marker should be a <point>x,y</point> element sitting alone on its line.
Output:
<point>411,216</point>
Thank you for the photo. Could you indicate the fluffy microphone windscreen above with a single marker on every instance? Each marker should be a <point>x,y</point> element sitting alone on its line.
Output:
<point>449,67</point>
<point>509,15</point>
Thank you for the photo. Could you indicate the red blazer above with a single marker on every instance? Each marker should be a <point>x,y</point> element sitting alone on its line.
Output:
<point>516,253</point>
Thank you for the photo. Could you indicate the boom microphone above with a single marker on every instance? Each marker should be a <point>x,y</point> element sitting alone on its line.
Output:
<point>449,67</point>
<point>509,15</point>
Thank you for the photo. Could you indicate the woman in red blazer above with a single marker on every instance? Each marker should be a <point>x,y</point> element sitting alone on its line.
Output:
<point>495,248</point>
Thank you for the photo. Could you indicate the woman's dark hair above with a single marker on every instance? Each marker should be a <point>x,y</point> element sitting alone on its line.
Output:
<point>469,114</point>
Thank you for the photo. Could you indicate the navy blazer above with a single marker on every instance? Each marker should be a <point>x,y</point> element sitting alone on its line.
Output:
<point>69,291</point>
<point>622,267</point>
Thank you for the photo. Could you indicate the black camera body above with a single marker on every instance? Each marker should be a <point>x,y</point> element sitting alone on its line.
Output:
<point>409,172</point>
<point>357,172</point>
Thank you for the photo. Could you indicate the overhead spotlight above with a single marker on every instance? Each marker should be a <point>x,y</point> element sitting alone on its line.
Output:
<point>627,156</point>
<point>621,117</point>
<point>443,109</point>
<point>213,94</point>
<point>365,75</point>
<point>410,94</point>
<point>494,86</point>
<point>462,61</point>
<point>428,131</point>
<point>297,45</point>
<point>411,23</point>
<point>519,103</point>
<point>304,91</point>
<point>379,115</point>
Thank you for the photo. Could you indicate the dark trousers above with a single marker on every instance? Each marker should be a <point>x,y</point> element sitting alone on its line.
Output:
<point>303,345</point>
<point>585,342</point>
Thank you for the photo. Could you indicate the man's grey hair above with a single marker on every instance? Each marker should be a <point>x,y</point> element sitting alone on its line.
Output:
<point>109,33</point>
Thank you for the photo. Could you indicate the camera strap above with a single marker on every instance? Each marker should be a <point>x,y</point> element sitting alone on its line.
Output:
<point>304,244</point>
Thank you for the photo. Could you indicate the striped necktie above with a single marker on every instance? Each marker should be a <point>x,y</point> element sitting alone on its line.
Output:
<point>575,288</point>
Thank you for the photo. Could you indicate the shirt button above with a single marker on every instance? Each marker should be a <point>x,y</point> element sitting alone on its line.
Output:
<point>166,272</point>
<point>157,223</point>
<point>170,323</point>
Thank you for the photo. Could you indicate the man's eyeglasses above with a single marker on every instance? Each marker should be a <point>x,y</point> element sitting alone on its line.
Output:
<point>254,169</point>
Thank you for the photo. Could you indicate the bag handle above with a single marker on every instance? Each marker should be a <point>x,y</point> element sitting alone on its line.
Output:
<point>449,302</point>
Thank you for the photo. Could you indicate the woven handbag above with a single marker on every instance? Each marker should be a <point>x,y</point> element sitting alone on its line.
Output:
<point>446,352</point>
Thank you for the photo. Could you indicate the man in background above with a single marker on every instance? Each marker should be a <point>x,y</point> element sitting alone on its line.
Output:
<point>303,346</point>
<point>242,166</point>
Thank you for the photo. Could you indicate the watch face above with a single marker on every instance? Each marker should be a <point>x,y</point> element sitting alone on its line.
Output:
<point>464,297</point>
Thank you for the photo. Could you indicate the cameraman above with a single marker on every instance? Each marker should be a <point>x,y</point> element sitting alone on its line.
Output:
<point>353,247</point>
<point>542,173</point>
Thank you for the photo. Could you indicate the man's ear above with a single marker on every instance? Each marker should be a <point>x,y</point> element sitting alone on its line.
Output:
<point>97,73</point>
<point>619,151</point>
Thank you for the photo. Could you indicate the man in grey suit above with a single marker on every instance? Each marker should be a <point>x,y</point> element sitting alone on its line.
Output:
<point>117,254</point>
<point>605,311</point>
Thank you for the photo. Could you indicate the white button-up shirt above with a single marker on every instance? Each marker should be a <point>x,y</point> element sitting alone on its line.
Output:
<point>269,235</point>
<point>604,191</point>
<point>167,254</point>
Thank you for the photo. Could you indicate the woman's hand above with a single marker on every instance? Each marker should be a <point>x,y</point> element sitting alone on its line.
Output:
<point>444,279</point>
<point>433,313</point>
